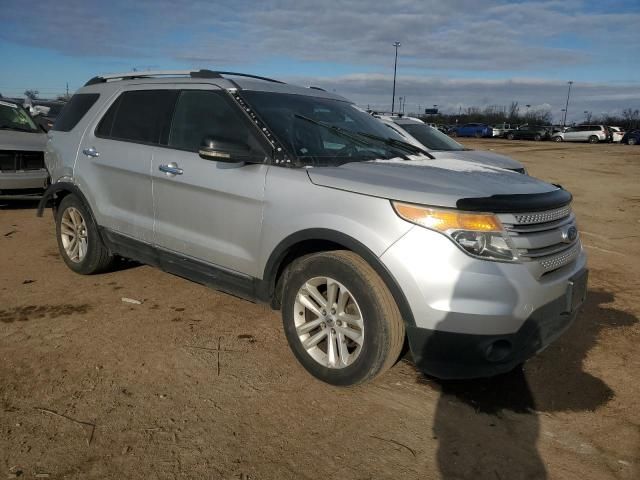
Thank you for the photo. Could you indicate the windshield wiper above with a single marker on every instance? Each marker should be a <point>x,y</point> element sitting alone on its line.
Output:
<point>409,147</point>
<point>340,131</point>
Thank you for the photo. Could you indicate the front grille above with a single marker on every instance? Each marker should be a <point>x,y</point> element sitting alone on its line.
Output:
<point>542,238</point>
<point>16,161</point>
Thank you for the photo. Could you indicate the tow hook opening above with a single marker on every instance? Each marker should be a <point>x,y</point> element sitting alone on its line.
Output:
<point>498,350</point>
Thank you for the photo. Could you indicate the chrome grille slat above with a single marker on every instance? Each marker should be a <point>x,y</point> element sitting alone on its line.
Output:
<point>541,217</point>
<point>560,260</point>
<point>540,227</point>
<point>544,252</point>
<point>540,237</point>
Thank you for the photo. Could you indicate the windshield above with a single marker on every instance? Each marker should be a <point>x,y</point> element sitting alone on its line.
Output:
<point>431,138</point>
<point>325,132</point>
<point>14,117</point>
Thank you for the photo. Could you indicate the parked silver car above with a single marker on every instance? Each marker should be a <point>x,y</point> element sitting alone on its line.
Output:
<point>296,197</point>
<point>22,143</point>
<point>582,133</point>
<point>440,145</point>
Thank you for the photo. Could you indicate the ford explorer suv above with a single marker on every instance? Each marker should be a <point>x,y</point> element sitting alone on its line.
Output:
<point>22,143</point>
<point>298,198</point>
<point>440,145</point>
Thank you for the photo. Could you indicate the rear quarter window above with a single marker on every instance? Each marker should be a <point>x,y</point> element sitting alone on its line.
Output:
<point>74,110</point>
<point>140,116</point>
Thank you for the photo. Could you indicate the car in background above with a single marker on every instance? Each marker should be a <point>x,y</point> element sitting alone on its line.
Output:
<point>477,130</point>
<point>416,132</point>
<point>501,129</point>
<point>632,137</point>
<point>22,144</point>
<point>45,113</point>
<point>583,133</point>
<point>617,133</point>
<point>530,132</point>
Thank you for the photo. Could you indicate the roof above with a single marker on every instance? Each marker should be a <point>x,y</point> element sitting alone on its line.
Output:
<point>226,80</point>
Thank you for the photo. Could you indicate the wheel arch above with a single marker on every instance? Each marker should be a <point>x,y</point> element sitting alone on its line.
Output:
<point>320,240</point>
<point>57,191</point>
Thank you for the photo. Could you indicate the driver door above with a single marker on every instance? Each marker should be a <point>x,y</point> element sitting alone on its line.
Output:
<point>208,210</point>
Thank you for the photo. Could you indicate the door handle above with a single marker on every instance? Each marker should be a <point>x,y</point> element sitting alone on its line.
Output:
<point>170,169</point>
<point>91,152</point>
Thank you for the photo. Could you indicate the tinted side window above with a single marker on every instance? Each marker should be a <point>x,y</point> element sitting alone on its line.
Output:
<point>139,116</point>
<point>74,110</point>
<point>203,113</point>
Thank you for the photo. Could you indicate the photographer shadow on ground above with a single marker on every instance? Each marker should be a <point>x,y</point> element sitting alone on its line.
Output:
<point>489,428</point>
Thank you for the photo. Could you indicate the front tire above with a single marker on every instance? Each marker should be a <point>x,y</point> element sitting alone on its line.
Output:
<point>631,141</point>
<point>557,139</point>
<point>509,136</point>
<point>340,319</point>
<point>79,242</point>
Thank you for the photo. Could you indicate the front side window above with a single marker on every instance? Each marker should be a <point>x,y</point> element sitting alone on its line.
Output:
<point>201,114</point>
<point>141,116</point>
<point>323,131</point>
<point>14,117</point>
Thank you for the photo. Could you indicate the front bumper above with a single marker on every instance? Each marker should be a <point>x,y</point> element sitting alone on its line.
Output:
<point>476,318</point>
<point>23,180</point>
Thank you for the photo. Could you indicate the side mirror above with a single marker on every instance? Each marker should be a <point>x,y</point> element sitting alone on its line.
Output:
<point>229,151</point>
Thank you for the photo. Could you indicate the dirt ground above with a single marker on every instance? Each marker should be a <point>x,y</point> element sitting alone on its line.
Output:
<point>193,383</point>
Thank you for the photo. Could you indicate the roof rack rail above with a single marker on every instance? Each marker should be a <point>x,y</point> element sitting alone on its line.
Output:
<point>317,88</point>
<point>203,73</point>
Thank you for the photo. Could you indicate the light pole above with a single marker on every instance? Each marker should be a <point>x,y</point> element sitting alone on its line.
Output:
<point>566,107</point>
<point>395,68</point>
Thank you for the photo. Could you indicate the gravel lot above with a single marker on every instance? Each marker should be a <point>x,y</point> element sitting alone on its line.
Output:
<point>197,384</point>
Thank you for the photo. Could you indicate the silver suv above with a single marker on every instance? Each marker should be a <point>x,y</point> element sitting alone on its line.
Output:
<point>582,133</point>
<point>296,197</point>
<point>440,145</point>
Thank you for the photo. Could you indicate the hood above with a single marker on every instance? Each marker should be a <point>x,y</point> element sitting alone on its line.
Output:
<point>15,140</point>
<point>480,156</point>
<point>439,182</point>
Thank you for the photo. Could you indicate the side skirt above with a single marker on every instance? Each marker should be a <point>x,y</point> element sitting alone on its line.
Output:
<point>213,276</point>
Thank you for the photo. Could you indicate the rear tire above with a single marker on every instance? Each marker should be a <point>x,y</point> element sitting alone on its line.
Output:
<point>79,241</point>
<point>593,139</point>
<point>509,136</point>
<point>337,296</point>
<point>631,141</point>
<point>537,137</point>
<point>477,135</point>
<point>557,139</point>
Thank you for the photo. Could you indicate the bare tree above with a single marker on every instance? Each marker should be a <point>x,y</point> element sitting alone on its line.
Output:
<point>31,94</point>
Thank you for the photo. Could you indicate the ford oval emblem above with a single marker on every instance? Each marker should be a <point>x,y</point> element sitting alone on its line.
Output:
<point>570,234</point>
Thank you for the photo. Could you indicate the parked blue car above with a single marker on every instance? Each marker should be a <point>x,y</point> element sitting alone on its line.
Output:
<point>632,137</point>
<point>473,130</point>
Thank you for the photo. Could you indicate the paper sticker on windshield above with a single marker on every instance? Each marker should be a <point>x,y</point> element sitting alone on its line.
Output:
<point>7,104</point>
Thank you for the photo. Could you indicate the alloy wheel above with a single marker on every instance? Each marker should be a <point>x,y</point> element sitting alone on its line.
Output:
<point>73,233</point>
<point>329,322</point>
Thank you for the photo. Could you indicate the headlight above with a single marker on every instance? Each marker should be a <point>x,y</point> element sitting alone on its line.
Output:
<point>478,234</point>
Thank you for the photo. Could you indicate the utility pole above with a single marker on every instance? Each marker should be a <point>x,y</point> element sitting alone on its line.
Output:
<point>564,120</point>
<point>395,69</point>
<point>67,91</point>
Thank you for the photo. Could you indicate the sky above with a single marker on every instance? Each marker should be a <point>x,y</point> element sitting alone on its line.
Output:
<point>454,53</point>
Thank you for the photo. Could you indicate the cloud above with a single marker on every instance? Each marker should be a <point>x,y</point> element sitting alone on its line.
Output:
<point>458,34</point>
<point>374,90</point>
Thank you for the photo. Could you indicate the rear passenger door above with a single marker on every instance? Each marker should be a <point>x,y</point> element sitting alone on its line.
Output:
<point>114,162</point>
<point>211,211</point>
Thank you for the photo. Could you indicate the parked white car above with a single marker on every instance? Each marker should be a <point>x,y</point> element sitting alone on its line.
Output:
<point>582,133</point>
<point>616,134</point>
